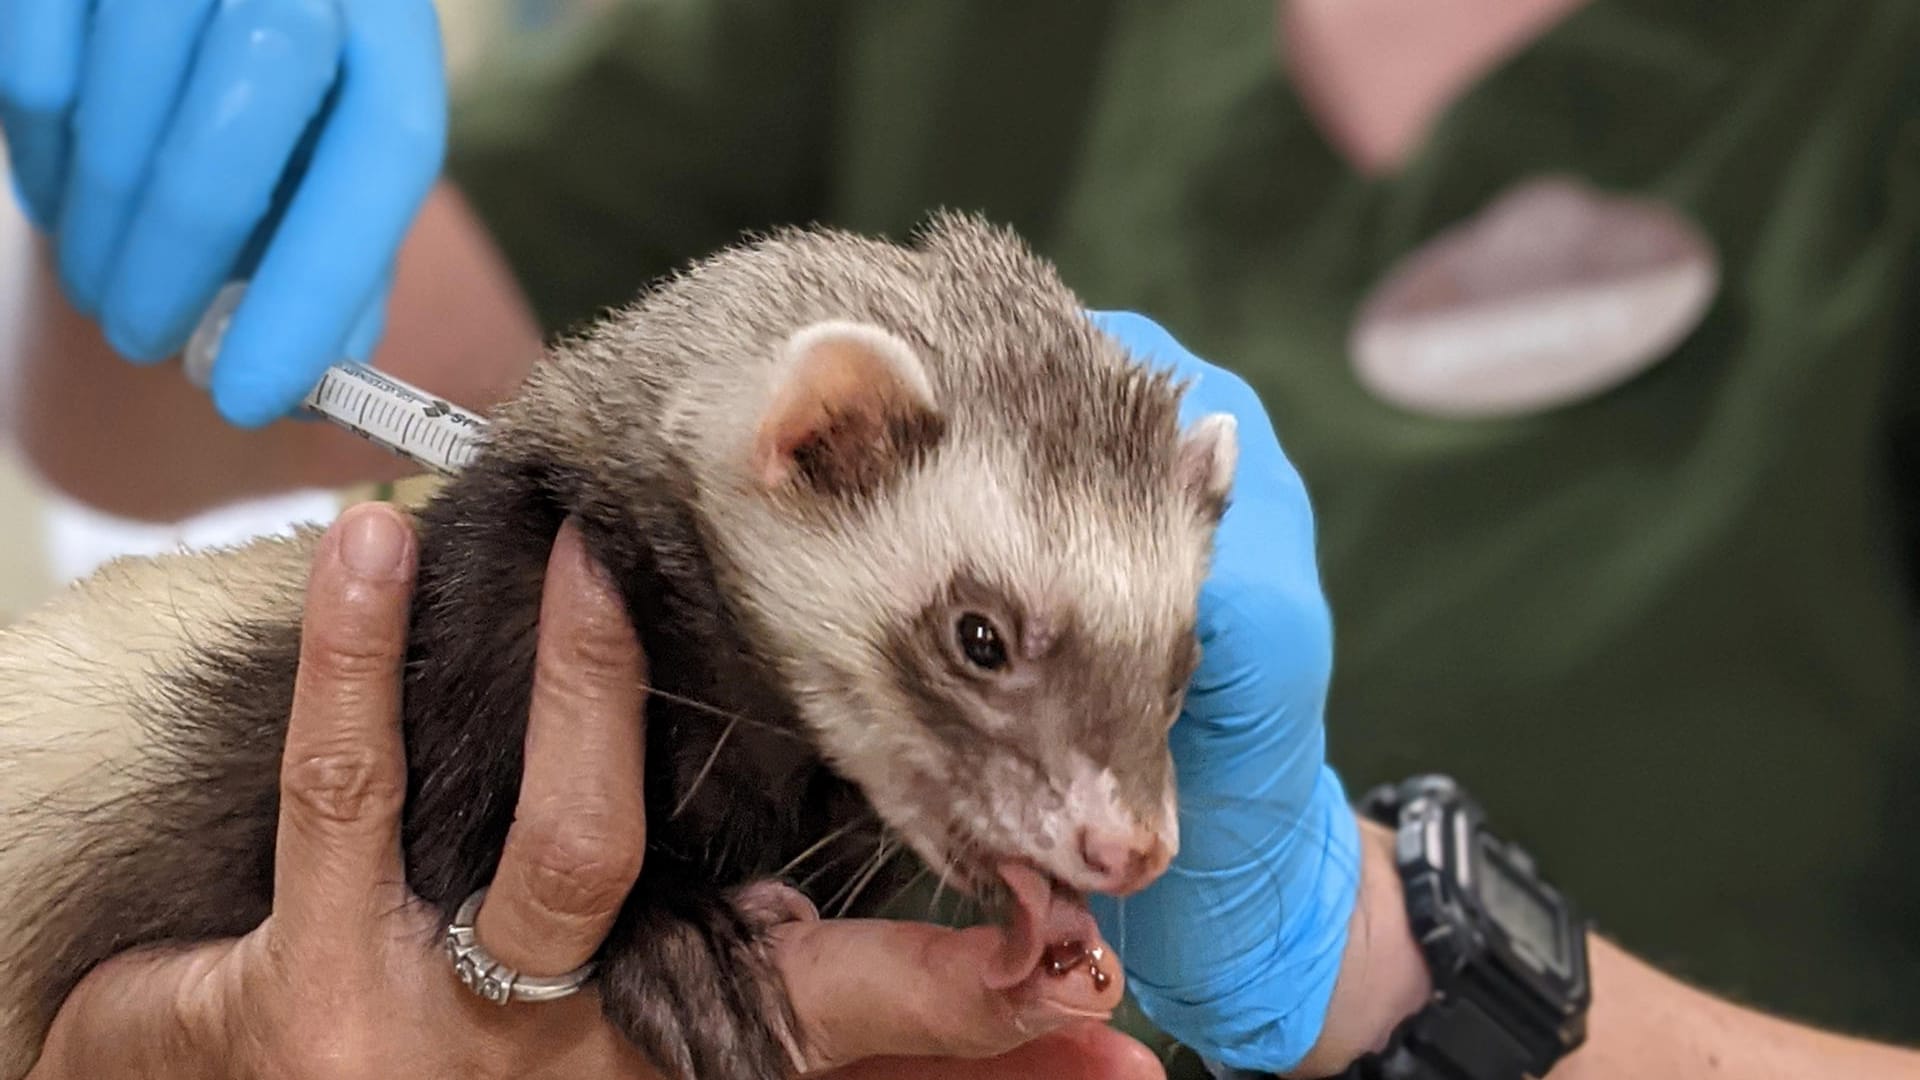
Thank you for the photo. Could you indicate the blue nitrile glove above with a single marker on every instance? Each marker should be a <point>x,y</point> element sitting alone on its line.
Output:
<point>1236,949</point>
<point>170,146</point>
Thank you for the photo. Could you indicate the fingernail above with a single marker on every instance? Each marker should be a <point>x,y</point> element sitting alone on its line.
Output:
<point>373,544</point>
<point>571,535</point>
<point>601,575</point>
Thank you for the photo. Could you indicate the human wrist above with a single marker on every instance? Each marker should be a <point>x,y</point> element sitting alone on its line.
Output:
<point>1383,975</point>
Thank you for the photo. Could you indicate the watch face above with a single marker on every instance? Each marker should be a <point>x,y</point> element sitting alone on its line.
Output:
<point>1530,921</point>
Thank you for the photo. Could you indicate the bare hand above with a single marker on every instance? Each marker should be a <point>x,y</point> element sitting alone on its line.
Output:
<point>343,980</point>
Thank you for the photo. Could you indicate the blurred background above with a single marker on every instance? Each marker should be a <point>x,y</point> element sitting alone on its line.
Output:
<point>1596,355</point>
<point>24,575</point>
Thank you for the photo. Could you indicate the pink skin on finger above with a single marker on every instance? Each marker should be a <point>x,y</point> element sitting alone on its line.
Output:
<point>868,987</point>
<point>1085,1051</point>
<point>1050,935</point>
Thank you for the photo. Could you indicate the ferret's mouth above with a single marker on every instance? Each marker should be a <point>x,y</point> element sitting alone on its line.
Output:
<point>1042,916</point>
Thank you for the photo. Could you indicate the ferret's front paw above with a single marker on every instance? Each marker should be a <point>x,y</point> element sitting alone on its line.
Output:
<point>687,979</point>
<point>767,904</point>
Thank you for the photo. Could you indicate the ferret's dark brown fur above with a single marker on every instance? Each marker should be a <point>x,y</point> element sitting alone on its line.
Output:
<point>793,542</point>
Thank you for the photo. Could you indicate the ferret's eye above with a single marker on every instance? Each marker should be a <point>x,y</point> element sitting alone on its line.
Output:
<point>980,643</point>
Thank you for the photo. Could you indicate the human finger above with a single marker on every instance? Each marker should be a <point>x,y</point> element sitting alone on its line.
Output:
<point>372,170</point>
<point>262,73</point>
<point>864,988</point>
<point>137,60</point>
<point>343,775</point>
<point>1086,1051</point>
<point>42,43</point>
<point>579,831</point>
<point>372,323</point>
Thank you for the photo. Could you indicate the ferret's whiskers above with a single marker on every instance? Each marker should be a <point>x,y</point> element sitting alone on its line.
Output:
<point>939,890</point>
<point>832,861</point>
<point>879,863</point>
<point>940,885</point>
<point>881,851</point>
<point>918,876</point>
<point>715,710</point>
<point>846,884</point>
<point>808,881</point>
<point>817,845</point>
<point>701,777</point>
<point>858,876</point>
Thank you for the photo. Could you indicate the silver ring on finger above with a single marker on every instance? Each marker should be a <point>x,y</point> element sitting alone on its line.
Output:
<point>488,978</point>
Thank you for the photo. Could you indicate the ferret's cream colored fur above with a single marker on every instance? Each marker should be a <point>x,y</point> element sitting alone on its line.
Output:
<point>72,675</point>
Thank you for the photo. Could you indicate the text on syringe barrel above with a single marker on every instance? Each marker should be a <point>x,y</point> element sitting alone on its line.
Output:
<point>434,432</point>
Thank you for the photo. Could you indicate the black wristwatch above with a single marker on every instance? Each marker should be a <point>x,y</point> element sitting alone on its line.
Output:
<point>1507,952</point>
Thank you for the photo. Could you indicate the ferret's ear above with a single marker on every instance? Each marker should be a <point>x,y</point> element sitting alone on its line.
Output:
<point>1208,454</point>
<point>850,406</point>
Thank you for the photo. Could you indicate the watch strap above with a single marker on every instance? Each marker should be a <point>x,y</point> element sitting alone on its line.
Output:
<point>1480,1024</point>
<point>1483,1022</point>
<point>1449,1039</point>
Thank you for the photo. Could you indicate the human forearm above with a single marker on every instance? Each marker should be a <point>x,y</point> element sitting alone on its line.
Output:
<point>142,442</point>
<point>1383,979</point>
<point>1643,1024</point>
<point>1649,1026</point>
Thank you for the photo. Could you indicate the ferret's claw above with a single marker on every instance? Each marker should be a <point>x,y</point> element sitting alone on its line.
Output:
<point>767,904</point>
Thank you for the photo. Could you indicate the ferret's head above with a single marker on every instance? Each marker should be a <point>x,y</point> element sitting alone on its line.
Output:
<point>977,531</point>
<point>964,526</point>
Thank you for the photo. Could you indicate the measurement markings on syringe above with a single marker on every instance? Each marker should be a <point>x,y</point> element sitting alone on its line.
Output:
<point>385,411</point>
<point>431,430</point>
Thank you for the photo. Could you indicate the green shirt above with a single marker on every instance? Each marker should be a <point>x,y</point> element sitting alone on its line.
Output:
<point>1669,634</point>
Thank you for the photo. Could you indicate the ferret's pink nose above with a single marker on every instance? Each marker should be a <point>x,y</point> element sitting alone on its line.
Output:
<point>1123,862</point>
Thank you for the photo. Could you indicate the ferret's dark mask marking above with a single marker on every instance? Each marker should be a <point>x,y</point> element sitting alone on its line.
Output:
<point>1059,691</point>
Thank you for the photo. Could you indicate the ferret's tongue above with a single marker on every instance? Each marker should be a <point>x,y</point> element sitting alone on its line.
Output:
<point>1041,917</point>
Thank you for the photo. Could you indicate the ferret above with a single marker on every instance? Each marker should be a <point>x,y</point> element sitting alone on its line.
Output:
<point>908,543</point>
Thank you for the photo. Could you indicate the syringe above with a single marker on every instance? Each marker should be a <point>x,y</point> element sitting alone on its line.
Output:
<point>379,408</point>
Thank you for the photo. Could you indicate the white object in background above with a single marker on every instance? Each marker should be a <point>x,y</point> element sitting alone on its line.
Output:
<point>1555,293</point>
<point>79,539</point>
<point>23,565</point>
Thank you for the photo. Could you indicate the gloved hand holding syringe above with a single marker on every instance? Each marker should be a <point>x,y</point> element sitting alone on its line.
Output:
<point>167,149</point>
<point>379,408</point>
